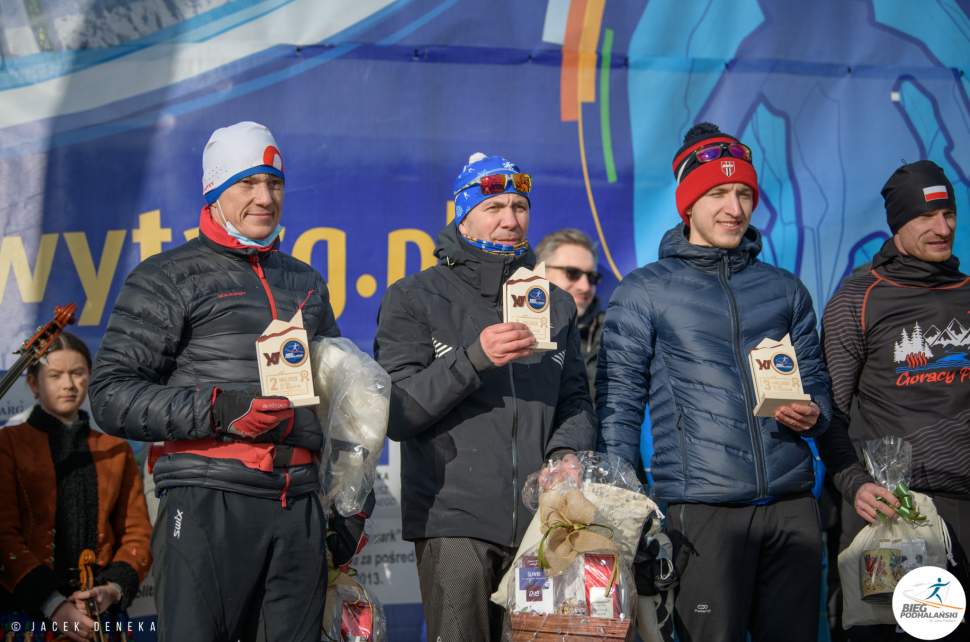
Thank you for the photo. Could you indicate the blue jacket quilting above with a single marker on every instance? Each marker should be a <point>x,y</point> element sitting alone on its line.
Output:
<point>677,335</point>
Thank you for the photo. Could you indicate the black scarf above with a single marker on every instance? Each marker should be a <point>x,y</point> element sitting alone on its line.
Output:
<point>76,524</point>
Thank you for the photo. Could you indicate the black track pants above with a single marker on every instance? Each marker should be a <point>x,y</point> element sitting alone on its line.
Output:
<point>226,564</point>
<point>747,568</point>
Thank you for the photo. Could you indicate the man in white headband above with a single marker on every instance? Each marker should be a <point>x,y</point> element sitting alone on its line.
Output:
<point>240,533</point>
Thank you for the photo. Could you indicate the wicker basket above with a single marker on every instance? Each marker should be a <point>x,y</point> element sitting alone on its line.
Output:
<point>527,627</point>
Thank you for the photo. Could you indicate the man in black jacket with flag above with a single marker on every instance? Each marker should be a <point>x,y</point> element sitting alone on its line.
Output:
<point>896,336</point>
<point>475,408</point>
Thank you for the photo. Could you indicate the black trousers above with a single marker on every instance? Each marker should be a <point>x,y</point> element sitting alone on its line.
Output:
<point>747,568</point>
<point>227,564</point>
<point>457,577</point>
<point>956,514</point>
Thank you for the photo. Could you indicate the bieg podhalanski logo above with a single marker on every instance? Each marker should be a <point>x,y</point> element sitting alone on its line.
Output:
<point>294,352</point>
<point>783,363</point>
<point>929,603</point>
<point>537,299</point>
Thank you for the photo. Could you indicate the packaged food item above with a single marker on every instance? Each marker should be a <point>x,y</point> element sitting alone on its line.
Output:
<point>350,613</point>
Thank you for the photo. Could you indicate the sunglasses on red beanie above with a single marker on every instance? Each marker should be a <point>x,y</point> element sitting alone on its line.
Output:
<point>714,151</point>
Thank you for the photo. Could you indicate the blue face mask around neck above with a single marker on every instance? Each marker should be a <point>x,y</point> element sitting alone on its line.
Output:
<point>245,240</point>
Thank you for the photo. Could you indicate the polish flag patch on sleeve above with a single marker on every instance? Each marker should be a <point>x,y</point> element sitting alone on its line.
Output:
<point>935,193</point>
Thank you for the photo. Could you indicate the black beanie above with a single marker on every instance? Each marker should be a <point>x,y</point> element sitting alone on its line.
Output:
<point>916,189</point>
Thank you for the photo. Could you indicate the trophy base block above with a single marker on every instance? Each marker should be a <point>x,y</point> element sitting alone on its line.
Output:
<point>767,406</point>
<point>299,402</point>
<point>542,346</point>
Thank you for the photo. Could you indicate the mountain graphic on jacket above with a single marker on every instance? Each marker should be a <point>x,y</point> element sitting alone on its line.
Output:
<point>933,349</point>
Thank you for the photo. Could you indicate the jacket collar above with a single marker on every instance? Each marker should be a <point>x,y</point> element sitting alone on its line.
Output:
<point>215,236</point>
<point>43,420</point>
<point>913,271</point>
<point>675,245</point>
<point>589,317</point>
<point>484,271</point>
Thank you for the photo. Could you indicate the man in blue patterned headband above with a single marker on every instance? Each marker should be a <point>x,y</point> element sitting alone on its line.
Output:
<point>475,408</point>
<point>492,204</point>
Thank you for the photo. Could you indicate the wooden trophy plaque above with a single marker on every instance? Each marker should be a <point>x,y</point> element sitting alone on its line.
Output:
<point>774,372</point>
<point>525,299</point>
<point>283,351</point>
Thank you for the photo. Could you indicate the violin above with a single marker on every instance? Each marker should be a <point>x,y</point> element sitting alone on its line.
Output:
<point>36,347</point>
<point>84,563</point>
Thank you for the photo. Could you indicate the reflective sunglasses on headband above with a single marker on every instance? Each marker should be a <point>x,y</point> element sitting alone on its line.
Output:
<point>714,151</point>
<point>497,183</point>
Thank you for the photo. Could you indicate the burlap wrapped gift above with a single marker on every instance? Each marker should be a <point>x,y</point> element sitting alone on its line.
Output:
<point>622,511</point>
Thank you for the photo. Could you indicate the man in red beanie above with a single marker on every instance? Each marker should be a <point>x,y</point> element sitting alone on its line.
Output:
<point>896,339</point>
<point>678,331</point>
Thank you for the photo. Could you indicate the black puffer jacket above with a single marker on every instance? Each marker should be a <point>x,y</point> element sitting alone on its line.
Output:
<point>471,433</point>
<point>186,322</point>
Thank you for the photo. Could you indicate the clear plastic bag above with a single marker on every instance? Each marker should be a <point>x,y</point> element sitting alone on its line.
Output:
<point>889,460</point>
<point>351,614</point>
<point>884,551</point>
<point>581,471</point>
<point>573,572</point>
<point>880,554</point>
<point>355,396</point>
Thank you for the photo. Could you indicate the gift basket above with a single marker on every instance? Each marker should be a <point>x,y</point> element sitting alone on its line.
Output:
<point>354,396</point>
<point>350,613</point>
<point>884,551</point>
<point>572,577</point>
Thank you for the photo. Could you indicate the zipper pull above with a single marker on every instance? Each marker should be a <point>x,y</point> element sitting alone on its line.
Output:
<point>254,260</point>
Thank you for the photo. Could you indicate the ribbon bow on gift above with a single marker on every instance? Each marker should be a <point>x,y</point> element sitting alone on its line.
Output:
<point>907,508</point>
<point>568,530</point>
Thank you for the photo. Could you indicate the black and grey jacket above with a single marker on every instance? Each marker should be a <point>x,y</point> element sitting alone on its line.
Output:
<point>186,322</point>
<point>471,433</point>
<point>896,337</point>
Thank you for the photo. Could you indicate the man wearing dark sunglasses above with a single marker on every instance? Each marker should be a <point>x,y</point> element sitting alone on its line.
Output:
<point>570,259</point>
<point>475,408</point>
<point>677,335</point>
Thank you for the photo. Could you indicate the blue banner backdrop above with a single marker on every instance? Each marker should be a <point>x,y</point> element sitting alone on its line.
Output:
<point>376,104</point>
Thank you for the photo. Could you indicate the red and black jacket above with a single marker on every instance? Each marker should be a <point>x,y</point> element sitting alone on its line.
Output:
<point>896,337</point>
<point>185,323</point>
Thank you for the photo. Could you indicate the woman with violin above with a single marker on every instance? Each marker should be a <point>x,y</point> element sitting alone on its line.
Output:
<point>67,490</point>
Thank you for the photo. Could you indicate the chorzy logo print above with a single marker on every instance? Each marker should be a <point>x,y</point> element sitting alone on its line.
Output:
<point>933,355</point>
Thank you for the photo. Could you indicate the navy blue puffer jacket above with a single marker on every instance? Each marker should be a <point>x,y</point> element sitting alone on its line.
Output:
<point>677,335</point>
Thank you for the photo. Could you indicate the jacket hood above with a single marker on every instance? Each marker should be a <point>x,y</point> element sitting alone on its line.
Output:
<point>485,271</point>
<point>909,269</point>
<point>675,245</point>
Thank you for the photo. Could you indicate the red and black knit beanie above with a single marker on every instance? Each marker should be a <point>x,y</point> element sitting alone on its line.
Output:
<point>694,178</point>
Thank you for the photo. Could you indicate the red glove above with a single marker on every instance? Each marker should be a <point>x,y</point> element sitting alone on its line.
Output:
<point>241,414</point>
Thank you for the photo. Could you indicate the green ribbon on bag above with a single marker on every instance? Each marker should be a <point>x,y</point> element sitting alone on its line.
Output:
<point>907,508</point>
